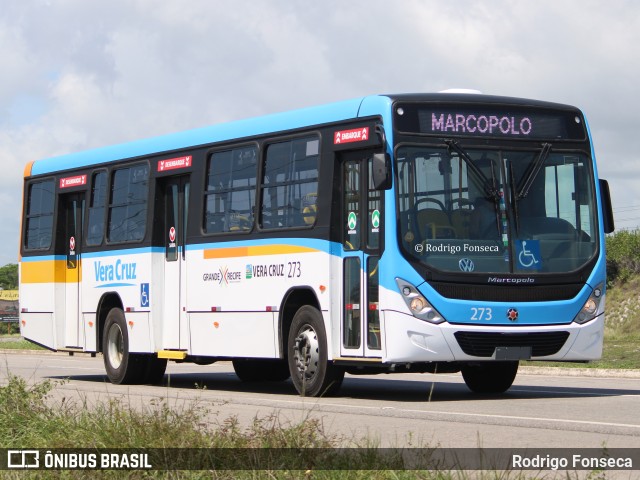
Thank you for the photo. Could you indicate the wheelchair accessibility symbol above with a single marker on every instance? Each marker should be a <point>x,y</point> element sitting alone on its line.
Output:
<point>144,295</point>
<point>528,253</point>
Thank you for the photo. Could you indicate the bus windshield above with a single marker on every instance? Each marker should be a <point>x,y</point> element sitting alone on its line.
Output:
<point>488,210</point>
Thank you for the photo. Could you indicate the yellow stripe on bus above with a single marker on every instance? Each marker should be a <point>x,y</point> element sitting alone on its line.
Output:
<point>49,271</point>
<point>255,251</point>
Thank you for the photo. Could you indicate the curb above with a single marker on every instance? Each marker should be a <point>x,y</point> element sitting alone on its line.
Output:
<point>579,372</point>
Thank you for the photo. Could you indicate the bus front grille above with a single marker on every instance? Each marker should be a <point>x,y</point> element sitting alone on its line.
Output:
<point>483,344</point>
<point>520,293</point>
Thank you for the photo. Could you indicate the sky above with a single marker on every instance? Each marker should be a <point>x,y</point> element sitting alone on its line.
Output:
<point>80,74</point>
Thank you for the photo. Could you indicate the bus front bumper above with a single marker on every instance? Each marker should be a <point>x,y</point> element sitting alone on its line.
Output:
<point>409,340</point>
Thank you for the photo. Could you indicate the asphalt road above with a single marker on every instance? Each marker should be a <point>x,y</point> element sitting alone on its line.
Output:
<point>388,410</point>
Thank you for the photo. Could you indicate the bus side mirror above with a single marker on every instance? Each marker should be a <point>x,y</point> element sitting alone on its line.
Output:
<point>607,210</point>
<point>381,171</point>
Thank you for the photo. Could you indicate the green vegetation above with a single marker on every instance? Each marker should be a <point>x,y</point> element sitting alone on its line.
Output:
<point>620,352</point>
<point>623,256</point>
<point>29,417</point>
<point>9,277</point>
<point>9,330</point>
<point>14,342</point>
<point>622,329</point>
<point>623,309</point>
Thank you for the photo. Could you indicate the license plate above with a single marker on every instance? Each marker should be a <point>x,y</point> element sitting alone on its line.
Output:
<point>513,353</point>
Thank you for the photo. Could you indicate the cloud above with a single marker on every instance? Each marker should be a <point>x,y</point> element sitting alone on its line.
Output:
<point>79,74</point>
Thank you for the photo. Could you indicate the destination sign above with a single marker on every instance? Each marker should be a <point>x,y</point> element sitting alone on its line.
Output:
<point>490,121</point>
<point>481,124</point>
<point>77,181</point>
<point>174,163</point>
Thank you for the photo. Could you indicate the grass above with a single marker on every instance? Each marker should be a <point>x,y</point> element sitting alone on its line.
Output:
<point>619,352</point>
<point>18,344</point>
<point>30,419</point>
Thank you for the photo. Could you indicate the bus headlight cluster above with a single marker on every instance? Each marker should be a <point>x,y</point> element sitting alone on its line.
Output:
<point>418,305</point>
<point>590,308</point>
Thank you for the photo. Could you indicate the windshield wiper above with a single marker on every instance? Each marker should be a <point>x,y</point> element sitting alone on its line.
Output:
<point>534,170</point>
<point>513,200</point>
<point>489,187</point>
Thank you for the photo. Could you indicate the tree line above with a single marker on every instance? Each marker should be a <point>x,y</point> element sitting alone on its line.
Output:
<point>9,277</point>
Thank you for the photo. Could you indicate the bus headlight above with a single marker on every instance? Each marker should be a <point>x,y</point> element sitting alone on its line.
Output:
<point>590,308</point>
<point>418,305</point>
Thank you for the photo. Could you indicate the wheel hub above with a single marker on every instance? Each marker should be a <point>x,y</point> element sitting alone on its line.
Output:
<point>115,346</point>
<point>307,352</point>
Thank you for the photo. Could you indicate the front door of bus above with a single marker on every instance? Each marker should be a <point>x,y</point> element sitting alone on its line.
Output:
<point>72,208</point>
<point>362,232</point>
<point>176,194</point>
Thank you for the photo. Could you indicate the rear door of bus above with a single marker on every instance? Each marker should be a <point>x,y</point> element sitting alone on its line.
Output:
<point>71,208</point>
<point>174,218</point>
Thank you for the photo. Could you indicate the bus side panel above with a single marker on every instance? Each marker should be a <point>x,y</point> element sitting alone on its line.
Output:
<point>91,337</point>
<point>38,281</point>
<point>126,274</point>
<point>235,293</point>
<point>139,332</point>
<point>38,327</point>
<point>233,334</point>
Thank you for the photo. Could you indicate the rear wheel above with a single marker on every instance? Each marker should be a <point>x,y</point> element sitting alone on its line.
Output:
<point>490,377</point>
<point>154,370</point>
<point>121,365</point>
<point>311,372</point>
<point>263,370</point>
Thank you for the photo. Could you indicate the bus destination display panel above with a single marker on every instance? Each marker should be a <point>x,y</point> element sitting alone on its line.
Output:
<point>465,120</point>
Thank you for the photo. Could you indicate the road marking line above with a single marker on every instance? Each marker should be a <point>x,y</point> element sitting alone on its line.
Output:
<point>537,419</point>
<point>438,412</point>
<point>574,392</point>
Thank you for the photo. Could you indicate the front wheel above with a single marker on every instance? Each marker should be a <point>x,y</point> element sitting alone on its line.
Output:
<point>311,372</point>
<point>490,377</point>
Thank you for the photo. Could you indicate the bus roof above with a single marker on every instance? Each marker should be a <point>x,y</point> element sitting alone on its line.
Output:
<point>317,115</point>
<point>201,136</point>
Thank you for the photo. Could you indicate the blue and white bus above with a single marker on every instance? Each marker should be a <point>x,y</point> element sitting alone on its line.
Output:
<point>439,233</point>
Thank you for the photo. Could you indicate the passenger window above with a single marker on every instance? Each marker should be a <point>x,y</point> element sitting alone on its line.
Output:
<point>290,184</point>
<point>128,206</point>
<point>39,221</point>
<point>231,190</point>
<point>97,209</point>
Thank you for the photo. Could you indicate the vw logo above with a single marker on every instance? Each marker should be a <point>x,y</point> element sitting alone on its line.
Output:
<point>466,265</point>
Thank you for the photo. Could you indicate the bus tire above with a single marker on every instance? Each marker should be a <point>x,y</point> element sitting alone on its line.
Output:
<point>311,372</point>
<point>122,366</point>
<point>490,377</point>
<point>261,370</point>
<point>154,371</point>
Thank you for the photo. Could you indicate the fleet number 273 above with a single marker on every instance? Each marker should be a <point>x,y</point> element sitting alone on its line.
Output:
<point>481,313</point>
